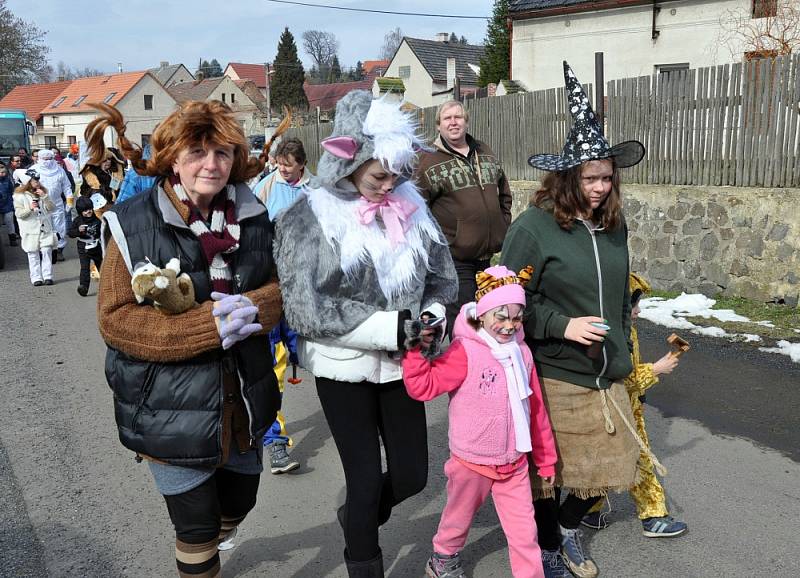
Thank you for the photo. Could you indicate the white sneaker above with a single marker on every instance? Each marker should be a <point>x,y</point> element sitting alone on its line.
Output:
<point>228,543</point>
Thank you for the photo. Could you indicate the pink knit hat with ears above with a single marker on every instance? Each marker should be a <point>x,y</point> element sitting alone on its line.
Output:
<point>499,286</point>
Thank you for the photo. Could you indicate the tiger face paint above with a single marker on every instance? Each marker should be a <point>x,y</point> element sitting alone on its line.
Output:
<point>503,322</point>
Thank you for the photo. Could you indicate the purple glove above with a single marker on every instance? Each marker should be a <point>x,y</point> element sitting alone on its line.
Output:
<point>236,315</point>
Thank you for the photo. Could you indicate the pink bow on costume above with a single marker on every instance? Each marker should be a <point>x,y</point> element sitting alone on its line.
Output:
<point>395,212</point>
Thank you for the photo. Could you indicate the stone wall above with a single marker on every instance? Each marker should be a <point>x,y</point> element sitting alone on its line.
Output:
<point>735,241</point>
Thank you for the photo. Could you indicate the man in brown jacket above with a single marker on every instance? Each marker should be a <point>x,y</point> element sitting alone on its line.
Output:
<point>468,193</point>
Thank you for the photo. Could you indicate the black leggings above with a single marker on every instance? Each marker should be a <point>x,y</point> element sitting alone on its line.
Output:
<point>550,513</point>
<point>85,258</point>
<point>357,413</point>
<point>206,515</point>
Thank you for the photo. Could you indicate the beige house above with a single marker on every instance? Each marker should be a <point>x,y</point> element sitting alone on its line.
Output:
<point>223,88</point>
<point>141,99</point>
<point>428,69</point>
<point>637,37</point>
<point>254,72</point>
<point>168,74</point>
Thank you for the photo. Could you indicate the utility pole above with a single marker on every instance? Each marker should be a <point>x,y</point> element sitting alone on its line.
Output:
<point>599,91</point>
<point>269,93</point>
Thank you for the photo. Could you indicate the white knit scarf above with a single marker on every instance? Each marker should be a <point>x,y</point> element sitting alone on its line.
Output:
<point>509,355</point>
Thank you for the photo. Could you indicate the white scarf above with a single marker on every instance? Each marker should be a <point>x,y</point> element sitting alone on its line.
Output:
<point>509,355</point>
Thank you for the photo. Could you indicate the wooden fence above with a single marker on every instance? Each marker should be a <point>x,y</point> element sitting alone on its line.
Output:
<point>726,125</point>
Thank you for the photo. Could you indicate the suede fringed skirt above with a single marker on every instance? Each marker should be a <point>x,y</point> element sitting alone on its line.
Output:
<point>596,451</point>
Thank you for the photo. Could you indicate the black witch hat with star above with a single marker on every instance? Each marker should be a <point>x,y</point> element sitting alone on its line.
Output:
<point>585,141</point>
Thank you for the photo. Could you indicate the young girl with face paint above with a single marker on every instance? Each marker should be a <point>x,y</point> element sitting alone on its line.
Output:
<point>496,416</point>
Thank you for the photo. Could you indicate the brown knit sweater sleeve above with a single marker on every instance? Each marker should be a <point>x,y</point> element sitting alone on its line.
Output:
<point>146,333</point>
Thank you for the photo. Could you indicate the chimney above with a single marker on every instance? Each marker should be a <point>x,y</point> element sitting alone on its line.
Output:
<point>199,76</point>
<point>119,67</point>
<point>442,37</point>
<point>62,78</point>
<point>451,72</point>
<point>164,63</point>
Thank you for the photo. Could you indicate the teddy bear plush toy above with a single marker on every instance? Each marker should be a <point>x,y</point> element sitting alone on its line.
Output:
<point>170,291</point>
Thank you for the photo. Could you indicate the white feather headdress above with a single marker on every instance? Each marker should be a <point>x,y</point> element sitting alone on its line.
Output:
<point>394,134</point>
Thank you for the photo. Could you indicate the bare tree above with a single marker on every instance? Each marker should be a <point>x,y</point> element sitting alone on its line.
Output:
<point>64,72</point>
<point>765,28</point>
<point>321,47</point>
<point>391,42</point>
<point>23,56</point>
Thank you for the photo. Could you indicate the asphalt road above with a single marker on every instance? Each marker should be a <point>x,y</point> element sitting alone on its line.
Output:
<point>75,503</point>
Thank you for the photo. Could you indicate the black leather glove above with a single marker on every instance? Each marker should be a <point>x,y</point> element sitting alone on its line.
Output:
<point>402,317</point>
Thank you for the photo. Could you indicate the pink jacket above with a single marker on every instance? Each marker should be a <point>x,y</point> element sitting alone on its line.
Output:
<point>481,426</point>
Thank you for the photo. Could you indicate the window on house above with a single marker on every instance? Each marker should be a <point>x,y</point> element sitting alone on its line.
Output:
<point>109,97</point>
<point>58,103</point>
<point>404,72</point>
<point>49,142</point>
<point>55,120</point>
<point>72,139</point>
<point>148,102</point>
<point>233,98</point>
<point>145,140</point>
<point>765,8</point>
<point>80,100</point>
<point>670,68</point>
<point>223,97</point>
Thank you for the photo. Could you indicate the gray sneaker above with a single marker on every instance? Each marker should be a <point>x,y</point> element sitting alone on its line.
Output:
<point>572,551</point>
<point>441,566</point>
<point>279,459</point>
<point>553,565</point>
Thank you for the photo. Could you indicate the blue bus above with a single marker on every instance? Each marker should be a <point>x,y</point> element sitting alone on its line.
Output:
<point>15,132</point>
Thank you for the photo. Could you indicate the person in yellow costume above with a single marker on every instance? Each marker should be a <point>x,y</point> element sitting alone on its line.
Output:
<point>648,494</point>
<point>283,342</point>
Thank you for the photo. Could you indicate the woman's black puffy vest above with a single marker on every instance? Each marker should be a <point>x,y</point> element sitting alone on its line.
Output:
<point>173,411</point>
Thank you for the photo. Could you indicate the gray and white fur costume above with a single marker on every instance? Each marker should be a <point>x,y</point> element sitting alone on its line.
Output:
<point>343,283</point>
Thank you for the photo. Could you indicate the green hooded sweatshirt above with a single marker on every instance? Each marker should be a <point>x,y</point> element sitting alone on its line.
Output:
<point>577,273</point>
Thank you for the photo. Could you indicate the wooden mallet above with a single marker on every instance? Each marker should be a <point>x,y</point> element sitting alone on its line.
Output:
<point>679,345</point>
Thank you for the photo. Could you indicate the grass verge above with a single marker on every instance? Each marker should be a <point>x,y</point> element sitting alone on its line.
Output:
<point>784,318</point>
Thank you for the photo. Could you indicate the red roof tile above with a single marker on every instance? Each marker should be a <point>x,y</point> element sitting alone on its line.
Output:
<point>109,89</point>
<point>325,96</point>
<point>32,98</point>
<point>254,72</point>
<point>369,65</point>
<point>249,88</point>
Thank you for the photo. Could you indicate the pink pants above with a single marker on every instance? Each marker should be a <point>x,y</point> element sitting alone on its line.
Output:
<point>466,492</point>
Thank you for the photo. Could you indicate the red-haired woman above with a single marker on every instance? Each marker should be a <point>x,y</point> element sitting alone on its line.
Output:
<point>193,392</point>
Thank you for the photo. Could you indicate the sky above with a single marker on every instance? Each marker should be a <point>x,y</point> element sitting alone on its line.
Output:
<point>141,33</point>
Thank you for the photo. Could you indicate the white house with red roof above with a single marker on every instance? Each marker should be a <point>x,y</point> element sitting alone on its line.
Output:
<point>243,71</point>
<point>637,37</point>
<point>141,99</point>
<point>240,95</point>
<point>32,98</point>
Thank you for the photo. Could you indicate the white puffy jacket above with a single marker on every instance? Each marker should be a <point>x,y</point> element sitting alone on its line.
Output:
<point>367,353</point>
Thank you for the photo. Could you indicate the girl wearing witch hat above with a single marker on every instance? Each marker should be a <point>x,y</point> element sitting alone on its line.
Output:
<point>358,254</point>
<point>578,326</point>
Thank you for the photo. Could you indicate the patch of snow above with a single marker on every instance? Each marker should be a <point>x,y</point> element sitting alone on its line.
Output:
<point>710,331</point>
<point>749,337</point>
<point>796,330</point>
<point>765,323</point>
<point>785,348</point>
<point>671,312</point>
